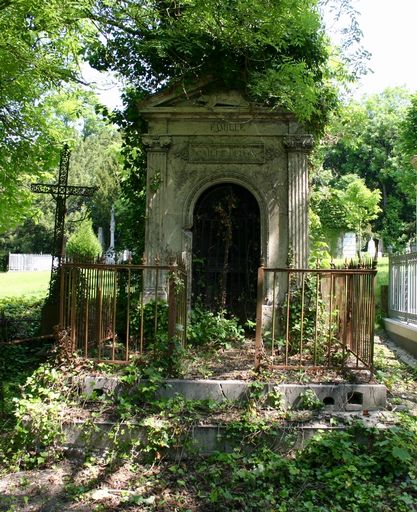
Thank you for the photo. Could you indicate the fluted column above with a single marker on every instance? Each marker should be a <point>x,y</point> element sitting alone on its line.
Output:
<point>156,180</point>
<point>298,148</point>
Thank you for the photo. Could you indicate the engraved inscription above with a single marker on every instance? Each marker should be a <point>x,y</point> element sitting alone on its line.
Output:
<point>219,153</point>
<point>223,126</point>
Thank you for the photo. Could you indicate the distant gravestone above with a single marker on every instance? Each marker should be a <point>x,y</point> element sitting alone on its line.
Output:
<point>110,255</point>
<point>371,248</point>
<point>349,245</point>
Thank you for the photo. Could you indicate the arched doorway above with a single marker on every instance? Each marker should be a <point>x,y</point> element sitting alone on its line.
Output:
<point>226,250</point>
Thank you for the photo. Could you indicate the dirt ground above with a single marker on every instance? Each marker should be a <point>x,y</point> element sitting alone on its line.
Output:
<point>237,363</point>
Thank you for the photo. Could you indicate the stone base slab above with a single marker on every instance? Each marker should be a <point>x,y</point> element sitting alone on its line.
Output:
<point>403,334</point>
<point>337,397</point>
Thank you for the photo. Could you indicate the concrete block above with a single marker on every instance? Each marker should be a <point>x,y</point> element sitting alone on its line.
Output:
<point>403,334</point>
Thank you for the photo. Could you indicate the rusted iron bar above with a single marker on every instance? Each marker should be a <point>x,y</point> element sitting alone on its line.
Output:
<point>259,303</point>
<point>325,312</point>
<point>102,327</point>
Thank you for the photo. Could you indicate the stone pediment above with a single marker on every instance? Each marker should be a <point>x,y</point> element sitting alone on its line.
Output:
<point>203,97</point>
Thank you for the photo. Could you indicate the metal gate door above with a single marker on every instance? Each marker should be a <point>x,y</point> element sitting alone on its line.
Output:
<point>226,250</point>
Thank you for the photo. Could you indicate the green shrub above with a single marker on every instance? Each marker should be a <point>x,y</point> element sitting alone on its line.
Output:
<point>20,317</point>
<point>359,470</point>
<point>215,329</point>
<point>83,245</point>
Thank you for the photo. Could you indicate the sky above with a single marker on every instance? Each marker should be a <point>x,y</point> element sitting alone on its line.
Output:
<point>389,33</point>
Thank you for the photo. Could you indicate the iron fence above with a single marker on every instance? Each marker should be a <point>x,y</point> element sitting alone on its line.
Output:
<point>315,318</point>
<point>403,287</point>
<point>111,312</point>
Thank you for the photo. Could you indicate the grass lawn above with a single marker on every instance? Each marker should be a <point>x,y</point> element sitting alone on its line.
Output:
<point>382,275</point>
<point>24,284</point>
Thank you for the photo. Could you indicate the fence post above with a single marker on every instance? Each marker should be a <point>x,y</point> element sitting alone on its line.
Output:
<point>172,308</point>
<point>62,271</point>
<point>259,303</point>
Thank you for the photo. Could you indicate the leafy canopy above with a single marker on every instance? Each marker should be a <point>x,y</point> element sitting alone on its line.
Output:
<point>39,47</point>
<point>276,51</point>
<point>373,138</point>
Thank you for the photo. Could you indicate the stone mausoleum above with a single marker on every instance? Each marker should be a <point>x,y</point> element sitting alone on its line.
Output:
<point>227,188</point>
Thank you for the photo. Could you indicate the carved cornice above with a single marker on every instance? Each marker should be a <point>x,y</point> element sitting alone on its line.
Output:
<point>298,142</point>
<point>156,142</point>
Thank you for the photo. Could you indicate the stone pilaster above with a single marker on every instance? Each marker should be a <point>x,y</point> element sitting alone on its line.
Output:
<point>298,148</point>
<point>156,182</point>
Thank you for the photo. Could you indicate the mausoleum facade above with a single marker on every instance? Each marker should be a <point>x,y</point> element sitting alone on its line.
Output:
<point>201,140</point>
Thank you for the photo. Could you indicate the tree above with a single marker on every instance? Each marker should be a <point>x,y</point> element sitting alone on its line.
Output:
<point>360,204</point>
<point>276,51</point>
<point>365,139</point>
<point>39,45</point>
<point>343,204</point>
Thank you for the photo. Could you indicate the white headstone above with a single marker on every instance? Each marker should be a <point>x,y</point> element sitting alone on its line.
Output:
<point>349,245</point>
<point>112,228</point>
<point>371,248</point>
<point>110,255</point>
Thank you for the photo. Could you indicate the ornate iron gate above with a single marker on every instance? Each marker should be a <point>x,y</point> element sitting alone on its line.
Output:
<point>226,250</point>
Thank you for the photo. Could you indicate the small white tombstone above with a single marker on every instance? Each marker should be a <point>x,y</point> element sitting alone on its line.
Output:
<point>349,245</point>
<point>371,248</point>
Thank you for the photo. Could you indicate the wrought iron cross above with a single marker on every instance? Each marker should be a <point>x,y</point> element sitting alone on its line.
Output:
<point>60,192</point>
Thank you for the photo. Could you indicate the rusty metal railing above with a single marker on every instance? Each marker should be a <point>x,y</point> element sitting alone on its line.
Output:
<point>112,312</point>
<point>315,318</point>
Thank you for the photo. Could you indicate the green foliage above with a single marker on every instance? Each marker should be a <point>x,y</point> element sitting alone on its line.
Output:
<point>16,364</point>
<point>308,400</point>
<point>37,422</point>
<point>39,47</point>
<point>367,139</point>
<point>276,51</point>
<point>96,161</point>
<point>213,329</point>
<point>336,472</point>
<point>343,204</point>
<point>83,245</point>
<point>20,317</point>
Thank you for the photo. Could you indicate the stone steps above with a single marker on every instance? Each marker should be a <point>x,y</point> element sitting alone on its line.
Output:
<point>243,414</point>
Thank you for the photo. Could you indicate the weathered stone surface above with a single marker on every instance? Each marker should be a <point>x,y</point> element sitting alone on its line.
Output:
<point>201,139</point>
<point>342,397</point>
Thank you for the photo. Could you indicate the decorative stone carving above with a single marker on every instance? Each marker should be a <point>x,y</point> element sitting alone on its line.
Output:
<point>222,99</point>
<point>156,143</point>
<point>272,152</point>
<point>181,151</point>
<point>298,142</point>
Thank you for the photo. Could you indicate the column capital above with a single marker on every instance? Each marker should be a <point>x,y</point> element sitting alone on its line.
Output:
<point>299,143</point>
<point>156,142</point>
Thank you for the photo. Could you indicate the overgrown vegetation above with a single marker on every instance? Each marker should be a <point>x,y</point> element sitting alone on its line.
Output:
<point>356,470</point>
